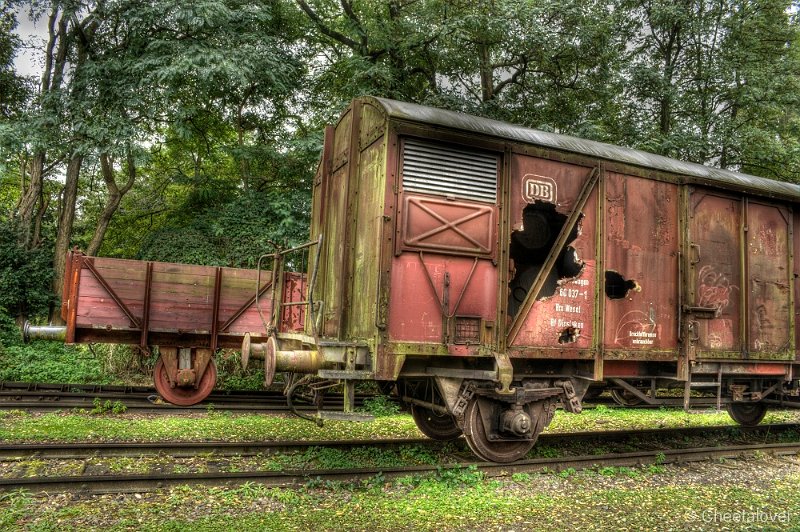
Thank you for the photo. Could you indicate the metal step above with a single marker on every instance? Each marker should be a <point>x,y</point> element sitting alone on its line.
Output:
<point>343,374</point>
<point>337,415</point>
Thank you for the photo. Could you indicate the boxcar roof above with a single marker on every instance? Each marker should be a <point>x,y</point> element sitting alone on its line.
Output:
<point>698,173</point>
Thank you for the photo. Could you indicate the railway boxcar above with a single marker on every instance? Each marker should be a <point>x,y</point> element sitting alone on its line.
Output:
<point>492,271</point>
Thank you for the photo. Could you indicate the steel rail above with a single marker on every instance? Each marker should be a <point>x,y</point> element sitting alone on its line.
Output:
<point>36,396</point>
<point>180,449</point>
<point>292,478</point>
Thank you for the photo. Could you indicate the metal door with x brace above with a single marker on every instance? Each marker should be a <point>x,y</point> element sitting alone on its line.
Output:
<point>444,276</point>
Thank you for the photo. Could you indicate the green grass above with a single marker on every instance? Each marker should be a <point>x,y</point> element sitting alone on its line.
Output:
<point>462,500</point>
<point>20,426</point>
<point>654,497</point>
<point>618,418</point>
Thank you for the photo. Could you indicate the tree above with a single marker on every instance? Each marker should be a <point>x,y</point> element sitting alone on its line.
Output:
<point>118,75</point>
<point>383,48</point>
<point>708,78</point>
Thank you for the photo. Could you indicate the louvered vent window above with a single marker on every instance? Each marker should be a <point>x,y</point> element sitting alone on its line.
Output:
<point>442,170</point>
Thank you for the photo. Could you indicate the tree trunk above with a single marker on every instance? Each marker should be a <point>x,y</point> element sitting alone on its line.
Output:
<point>487,73</point>
<point>30,199</point>
<point>113,200</point>
<point>65,222</point>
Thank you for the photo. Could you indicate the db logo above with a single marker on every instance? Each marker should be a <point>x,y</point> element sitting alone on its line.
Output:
<point>537,187</point>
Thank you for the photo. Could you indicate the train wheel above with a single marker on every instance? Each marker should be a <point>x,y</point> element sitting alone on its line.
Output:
<point>625,398</point>
<point>184,396</point>
<point>486,449</point>
<point>440,427</point>
<point>747,414</point>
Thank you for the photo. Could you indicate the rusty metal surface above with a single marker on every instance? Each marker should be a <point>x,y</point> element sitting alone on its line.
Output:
<point>641,247</point>
<point>715,269</point>
<point>625,368</point>
<point>695,173</point>
<point>796,276</point>
<point>768,279</point>
<point>565,318</point>
<point>294,291</point>
<point>448,226</point>
<point>426,288</point>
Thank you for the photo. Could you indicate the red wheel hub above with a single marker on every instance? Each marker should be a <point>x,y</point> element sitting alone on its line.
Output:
<point>184,395</point>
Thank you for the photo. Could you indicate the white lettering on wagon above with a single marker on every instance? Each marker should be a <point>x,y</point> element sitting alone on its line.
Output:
<point>642,337</point>
<point>538,187</point>
<point>560,323</point>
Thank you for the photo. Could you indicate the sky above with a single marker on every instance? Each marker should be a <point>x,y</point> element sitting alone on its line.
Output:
<point>28,61</point>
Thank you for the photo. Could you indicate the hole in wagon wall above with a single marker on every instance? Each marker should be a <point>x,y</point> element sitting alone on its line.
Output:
<point>617,287</point>
<point>530,246</point>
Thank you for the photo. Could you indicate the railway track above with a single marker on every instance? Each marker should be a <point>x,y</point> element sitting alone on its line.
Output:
<point>78,450</point>
<point>99,484</point>
<point>47,397</point>
<point>126,483</point>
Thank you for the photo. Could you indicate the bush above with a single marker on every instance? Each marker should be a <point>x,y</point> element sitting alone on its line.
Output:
<point>231,376</point>
<point>25,275</point>
<point>45,361</point>
<point>380,406</point>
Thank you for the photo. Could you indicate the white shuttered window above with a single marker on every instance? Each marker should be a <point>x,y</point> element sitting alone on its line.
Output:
<point>431,168</point>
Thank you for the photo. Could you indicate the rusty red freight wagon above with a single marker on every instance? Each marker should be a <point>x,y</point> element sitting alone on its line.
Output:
<point>490,271</point>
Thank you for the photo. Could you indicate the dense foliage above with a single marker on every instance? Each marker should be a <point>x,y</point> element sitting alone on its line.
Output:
<point>189,131</point>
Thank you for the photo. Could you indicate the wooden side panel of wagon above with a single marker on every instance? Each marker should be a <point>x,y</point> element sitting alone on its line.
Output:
<point>156,303</point>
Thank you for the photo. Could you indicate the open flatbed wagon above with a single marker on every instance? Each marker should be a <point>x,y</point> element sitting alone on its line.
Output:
<point>187,311</point>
